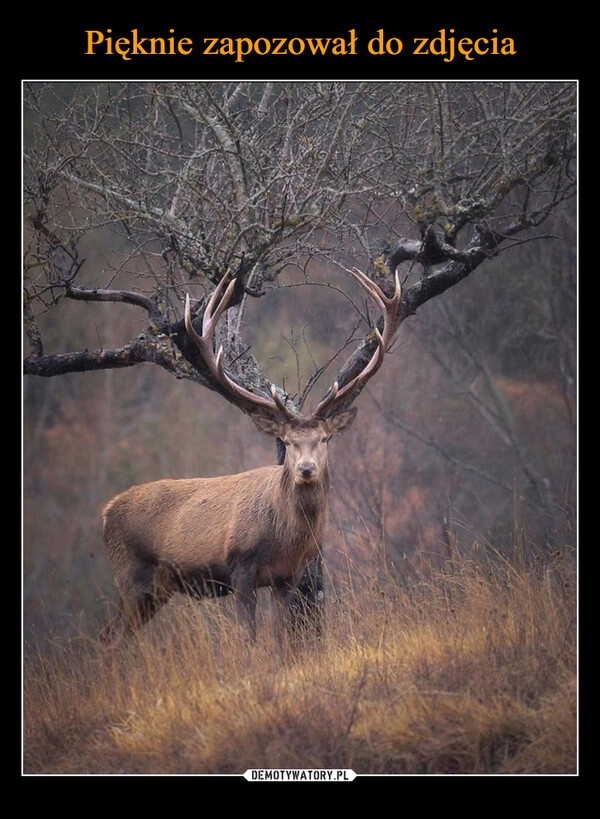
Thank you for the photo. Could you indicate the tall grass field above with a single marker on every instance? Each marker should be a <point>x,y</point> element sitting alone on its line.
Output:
<point>465,668</point>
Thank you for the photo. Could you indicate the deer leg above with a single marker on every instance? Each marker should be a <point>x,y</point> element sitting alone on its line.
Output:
<point>244,589</point>
<point>283,592</point>
<point>131,616</point>
<point>149,591</point>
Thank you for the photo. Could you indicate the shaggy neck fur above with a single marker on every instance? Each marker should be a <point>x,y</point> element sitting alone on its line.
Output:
<point>302,512</point>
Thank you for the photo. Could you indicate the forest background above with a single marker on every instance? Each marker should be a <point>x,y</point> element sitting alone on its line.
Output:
<point>468,431</point>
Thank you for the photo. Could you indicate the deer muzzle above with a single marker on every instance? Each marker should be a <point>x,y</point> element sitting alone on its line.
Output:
<point>306,472</point>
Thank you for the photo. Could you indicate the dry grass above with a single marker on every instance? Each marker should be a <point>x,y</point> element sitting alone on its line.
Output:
<point>469,669</point>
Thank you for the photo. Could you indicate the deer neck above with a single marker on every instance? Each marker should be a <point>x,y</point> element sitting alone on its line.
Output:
<point>303,500</point>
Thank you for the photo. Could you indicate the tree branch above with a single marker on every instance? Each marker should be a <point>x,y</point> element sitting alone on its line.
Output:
<point>125,296</point>
<point>139,351</point>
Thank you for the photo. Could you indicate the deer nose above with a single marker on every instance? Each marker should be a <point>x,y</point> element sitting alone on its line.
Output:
<point>307,469</point>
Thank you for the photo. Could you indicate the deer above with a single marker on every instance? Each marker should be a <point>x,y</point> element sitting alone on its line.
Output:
<point>233,534</point>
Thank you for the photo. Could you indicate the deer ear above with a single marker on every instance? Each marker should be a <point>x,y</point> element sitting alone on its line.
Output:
<point>341,421</point>
<point>268,425</point>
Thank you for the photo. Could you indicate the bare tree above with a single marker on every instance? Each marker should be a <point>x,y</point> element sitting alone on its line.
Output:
<point>180,182</point>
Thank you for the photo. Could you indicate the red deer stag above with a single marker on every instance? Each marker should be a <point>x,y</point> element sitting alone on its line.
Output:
<point>210,536</point>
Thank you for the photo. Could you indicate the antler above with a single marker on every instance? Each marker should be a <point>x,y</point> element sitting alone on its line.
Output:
<point>248,401</point>
<point>389,308</point>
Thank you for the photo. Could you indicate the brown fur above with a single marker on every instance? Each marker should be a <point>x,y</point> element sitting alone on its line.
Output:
<point>210,536</point>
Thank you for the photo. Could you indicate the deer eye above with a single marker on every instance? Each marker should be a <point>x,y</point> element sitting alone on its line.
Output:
<point>326,439</point>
